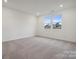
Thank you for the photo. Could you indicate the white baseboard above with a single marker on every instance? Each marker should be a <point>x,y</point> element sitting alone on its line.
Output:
<point>54,38</point>
<point>28,36</point>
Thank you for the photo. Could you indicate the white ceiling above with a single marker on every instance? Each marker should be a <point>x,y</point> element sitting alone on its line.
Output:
<point>41,6</point>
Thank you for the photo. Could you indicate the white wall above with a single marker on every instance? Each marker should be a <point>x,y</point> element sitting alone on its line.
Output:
<point>17,24</point>
<point>68,31</point>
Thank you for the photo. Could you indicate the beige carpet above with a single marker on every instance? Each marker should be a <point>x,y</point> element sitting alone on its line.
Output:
<point>38,48</point>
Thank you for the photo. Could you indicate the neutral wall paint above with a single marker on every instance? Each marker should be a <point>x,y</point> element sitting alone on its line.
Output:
<point>68,31</point>
<point>17,24</point>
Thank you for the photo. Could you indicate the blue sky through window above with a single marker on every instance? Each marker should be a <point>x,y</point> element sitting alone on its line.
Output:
<point>57,19</point>
<point>47,19</point>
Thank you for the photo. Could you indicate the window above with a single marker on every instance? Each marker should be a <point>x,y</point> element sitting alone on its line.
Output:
<point>52,21</point>
<point>57,22</point>
<point>47,22</point>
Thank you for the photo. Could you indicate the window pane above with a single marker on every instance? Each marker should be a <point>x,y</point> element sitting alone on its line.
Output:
<point>47,22</point>
<point>57,22</point>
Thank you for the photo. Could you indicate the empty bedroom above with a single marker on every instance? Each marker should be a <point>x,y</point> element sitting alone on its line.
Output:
<point>38,29</point>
